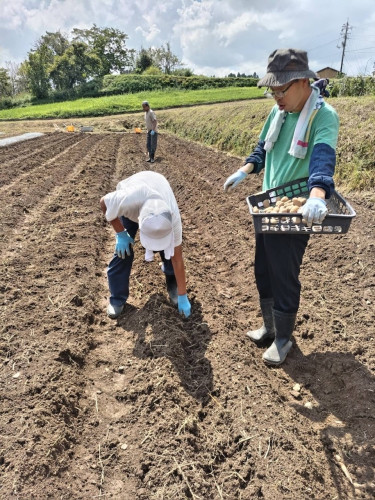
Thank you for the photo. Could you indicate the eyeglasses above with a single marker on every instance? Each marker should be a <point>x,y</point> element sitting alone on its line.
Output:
<point>278,94</point>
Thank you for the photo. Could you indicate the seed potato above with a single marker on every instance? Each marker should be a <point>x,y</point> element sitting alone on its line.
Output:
<point>283,205</point>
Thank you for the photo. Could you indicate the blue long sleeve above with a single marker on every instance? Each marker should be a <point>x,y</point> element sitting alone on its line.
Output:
<point>257,157</point>
<point>322,168</point>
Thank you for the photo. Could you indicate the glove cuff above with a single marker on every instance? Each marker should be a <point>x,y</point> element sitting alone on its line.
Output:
<point>318,199</point>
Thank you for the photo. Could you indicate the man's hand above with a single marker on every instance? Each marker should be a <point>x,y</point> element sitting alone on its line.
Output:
<point>184,306</point>
<point>314,211</point>
<point>123,242</point>
<point>234,179</point>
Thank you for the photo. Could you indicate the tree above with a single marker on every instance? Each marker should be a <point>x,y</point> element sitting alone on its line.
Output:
<point>109,45</point>
<point>17,76</point>
<point>12,69</point>
<point>143,61</point>
<point>22,78</point>
<point>37,71</point>
<point>164,58</point>
<point>41,59</point>
<point>5,83</point>
<point>74,67</point>
<point>56,42</point>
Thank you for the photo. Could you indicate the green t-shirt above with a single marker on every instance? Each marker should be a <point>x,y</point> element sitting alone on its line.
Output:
<point>280,166</point>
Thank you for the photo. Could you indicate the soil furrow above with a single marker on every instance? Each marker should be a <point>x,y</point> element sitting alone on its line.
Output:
<point>27,192</point>
<point>11,169</point>
<point>153,406</point>
<point>25,148</point>
<point>60,313</point>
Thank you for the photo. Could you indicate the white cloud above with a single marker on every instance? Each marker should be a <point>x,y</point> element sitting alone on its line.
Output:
<point>210,36</point>
<point>13,14</point>
<point>150,34</point>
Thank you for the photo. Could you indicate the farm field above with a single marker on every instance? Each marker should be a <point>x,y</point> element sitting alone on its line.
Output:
<point>153,406</point>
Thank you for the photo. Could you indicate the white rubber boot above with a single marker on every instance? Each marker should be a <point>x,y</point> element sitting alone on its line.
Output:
<point>284,326</point>
<point>267,330</point>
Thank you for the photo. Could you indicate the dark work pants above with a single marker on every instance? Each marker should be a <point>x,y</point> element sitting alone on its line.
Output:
<point>278,258</point>
<point>119,270</point>
<point>152,142</point>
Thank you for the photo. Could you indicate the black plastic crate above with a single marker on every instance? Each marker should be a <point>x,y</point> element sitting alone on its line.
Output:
<point>338,220</point>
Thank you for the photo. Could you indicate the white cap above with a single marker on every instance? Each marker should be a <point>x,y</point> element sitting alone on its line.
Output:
<point>155,227</point>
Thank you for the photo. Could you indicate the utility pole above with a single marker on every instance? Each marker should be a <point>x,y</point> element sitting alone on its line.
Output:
<point>345,30</point>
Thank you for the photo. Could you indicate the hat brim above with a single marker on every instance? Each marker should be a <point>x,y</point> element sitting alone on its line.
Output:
<point>155,244</point>
<point>283,77</point>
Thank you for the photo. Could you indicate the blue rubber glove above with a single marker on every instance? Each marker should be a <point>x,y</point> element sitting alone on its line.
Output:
<point>314,211</point>
<point>152,132</point>
<point>123,242</point>
<point>184,306</point>
<point>234,179</point>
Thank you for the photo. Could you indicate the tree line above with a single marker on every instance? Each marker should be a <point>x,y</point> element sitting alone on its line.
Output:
<point>61,63</point>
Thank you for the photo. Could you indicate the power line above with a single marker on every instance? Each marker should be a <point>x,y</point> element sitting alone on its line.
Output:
<point>322,45</point>
<point>361,50</point>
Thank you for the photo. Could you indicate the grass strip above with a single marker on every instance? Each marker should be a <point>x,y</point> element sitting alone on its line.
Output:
<point>126,103</point>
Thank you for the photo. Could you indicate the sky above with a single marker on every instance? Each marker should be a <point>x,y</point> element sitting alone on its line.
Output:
<point>211,37</point>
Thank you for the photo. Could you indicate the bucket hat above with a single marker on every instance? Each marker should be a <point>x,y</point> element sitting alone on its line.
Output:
<point>155,226</point>
<point>285,65</point>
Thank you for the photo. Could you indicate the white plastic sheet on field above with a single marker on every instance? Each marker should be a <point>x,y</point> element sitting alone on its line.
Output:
<point>19,138</point>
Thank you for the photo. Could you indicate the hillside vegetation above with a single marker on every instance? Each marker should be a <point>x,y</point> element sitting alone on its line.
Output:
<point>124,84</point>
<point>235,128</point>
<point>126,103</point>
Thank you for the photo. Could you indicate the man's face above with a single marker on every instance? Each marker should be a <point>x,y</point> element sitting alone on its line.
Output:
<point>145,107</point>
<point>292,96</point>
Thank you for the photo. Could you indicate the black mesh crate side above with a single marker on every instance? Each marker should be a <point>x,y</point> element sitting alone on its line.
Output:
<point>337,222</point>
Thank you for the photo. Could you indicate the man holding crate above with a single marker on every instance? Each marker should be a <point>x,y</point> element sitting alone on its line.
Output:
<point>298,140</point>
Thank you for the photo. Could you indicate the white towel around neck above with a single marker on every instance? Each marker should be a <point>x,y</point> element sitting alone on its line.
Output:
<point>298,146</point>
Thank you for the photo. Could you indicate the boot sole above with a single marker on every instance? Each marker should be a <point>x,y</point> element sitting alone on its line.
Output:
<point>278,363</point>
<point>274,363</point>
<point>115,315</point>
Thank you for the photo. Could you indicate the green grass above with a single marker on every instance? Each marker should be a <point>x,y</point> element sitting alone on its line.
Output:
<point>101,106</point>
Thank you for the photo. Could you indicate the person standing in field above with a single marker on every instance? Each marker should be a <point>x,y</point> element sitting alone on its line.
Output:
<point>298,140</point>
<point>145,201</point>
<point>152,131</point>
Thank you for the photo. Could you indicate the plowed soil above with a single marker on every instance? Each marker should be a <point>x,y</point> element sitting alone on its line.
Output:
<point>154,406</point>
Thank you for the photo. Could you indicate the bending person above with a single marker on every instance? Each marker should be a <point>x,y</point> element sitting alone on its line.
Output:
<point>145,201</point>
